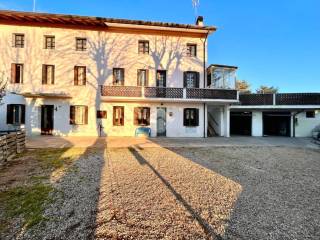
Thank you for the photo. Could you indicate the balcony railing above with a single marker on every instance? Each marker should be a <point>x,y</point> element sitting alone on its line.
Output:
<point>121,91</point>
<point>256,99</point>
<point>211,93</point>
<point>280,99</point>
<point>169,93</point>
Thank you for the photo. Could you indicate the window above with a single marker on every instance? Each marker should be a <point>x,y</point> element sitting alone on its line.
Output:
<point>191,117</point>
<point>80,75</point>
<point>16,73</point>
<point>118,116</point>
<point>81,44</point>
<point>191,80</point>
<point>18,40</point>
<point>191,50</point>
<point>15,114</point>
<point>310,114</point>
<point>141,116</point>
<point>101,114</point>
<point>49,42</point>
<point>78,115</point>
<point>161,78</point>
<point>143,47</point>
<point>118,76</point>
<point>142,78</point>
<point>47,74</point>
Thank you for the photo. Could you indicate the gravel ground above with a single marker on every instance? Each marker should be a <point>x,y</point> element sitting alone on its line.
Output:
<point>188,193</point>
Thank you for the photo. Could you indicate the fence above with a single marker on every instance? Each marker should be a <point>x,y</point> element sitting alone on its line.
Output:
<point>11,143</point>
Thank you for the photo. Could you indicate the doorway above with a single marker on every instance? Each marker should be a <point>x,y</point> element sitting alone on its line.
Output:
<point>47,119</point>
<point>241,123</point>
<point>161,122</point>
<point>277,124</point>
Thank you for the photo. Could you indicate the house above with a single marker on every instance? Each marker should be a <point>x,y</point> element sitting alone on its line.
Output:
<point>280,114</point>
<point>91,76</point>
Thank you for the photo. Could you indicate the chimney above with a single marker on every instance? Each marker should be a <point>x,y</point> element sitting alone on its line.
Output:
<point>199,21</point>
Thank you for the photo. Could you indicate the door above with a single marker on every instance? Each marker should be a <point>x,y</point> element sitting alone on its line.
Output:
<point>161,122</point>
<point>47,119</point>
<point>277,124</point>
<point>241,123</point>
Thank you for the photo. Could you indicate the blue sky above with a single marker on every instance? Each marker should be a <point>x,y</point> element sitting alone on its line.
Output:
<point>274,42</point>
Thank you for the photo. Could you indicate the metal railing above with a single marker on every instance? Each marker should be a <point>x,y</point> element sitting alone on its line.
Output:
<point>159,92</point>
<point>203,93</point>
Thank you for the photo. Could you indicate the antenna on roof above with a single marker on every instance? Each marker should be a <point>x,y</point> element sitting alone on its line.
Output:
<point>195,5</point>
<point>34,5</point>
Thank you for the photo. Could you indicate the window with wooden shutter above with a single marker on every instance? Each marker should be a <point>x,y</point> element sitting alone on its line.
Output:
<point>18,40</point>
<point>142,77</point>
<point>16,114</point>
<point>80,75</point>
<point>81,44</point>
<point>191,50</point>
<point>47,74</point>
<point>78,115</point>
<point>118,76</point>
<point>49,42</point>
<point>143,47</point>
<point>141,116</point>
<point>118,116</point>
<point>191,117</point>
<point>16,73</point>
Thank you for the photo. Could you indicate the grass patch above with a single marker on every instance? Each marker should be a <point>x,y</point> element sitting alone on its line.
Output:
<point>27,202</point>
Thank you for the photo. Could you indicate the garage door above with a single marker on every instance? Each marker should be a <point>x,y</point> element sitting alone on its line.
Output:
<point>240,123</point>
<point>276,124</point>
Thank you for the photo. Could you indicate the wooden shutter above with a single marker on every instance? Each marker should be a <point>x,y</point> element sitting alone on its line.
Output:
<point>197,79</point>
<point>23,114</point>
<point>148,116</point>
<point>72,114</point>
<point>86,115</point>
<point>185,116</point>
<point>114,115</point>
<point>138,78</point>
<point>185,79</point>
<point>76,76</point>
<point>9,114</point>
<point>196,122</point>
<point>147,78</point>
<point>84,76</point>
<point>13,72</point>
<point>122,76</point>
<point>136,115</point>
<point>44,74</point>
<point>53,74</point>
<point>122,116</point>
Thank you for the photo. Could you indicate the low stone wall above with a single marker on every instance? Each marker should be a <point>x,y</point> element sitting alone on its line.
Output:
<point>11,143</point>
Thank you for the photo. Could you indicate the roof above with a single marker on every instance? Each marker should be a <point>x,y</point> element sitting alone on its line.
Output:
<point>23,18</point>
<point>222,66</point>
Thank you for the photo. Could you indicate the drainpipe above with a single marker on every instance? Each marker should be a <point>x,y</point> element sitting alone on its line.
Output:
<point>204,82</point>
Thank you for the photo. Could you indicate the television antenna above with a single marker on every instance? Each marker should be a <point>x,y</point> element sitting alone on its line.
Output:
<point>34,5</point>
<point>195,5</point>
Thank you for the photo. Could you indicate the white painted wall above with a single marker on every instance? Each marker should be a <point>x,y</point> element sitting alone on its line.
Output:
<point>305,125</point>
<point>257,124</point>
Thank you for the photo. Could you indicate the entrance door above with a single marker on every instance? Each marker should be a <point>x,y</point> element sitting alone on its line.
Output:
<point>161,121</point>
<point>46,119</point>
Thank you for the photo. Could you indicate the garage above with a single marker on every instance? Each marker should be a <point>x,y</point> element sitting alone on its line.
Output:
<point>277,124</point>
<point>241,123</point>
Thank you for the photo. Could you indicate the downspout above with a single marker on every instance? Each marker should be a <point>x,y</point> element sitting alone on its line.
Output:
<point>204,82</point>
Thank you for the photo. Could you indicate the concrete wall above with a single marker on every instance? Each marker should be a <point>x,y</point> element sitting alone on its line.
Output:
<point>305,125</point>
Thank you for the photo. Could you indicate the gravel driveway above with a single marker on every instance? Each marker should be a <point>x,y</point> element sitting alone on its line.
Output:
<point>188,193</point>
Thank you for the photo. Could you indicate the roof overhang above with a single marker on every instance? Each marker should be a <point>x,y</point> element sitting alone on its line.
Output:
<point>274,107</point>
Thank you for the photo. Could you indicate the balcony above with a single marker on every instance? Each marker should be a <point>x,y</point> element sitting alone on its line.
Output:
<point>280,99</point>
<point>133,93</point>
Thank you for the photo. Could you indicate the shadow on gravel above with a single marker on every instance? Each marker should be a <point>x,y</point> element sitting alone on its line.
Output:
<point>72,214</point>
<point>202,222</point>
